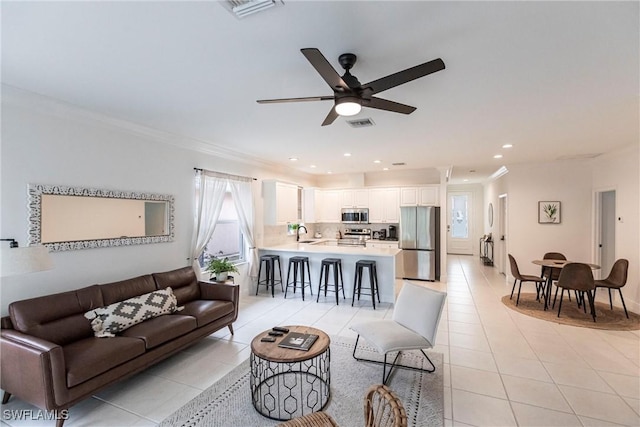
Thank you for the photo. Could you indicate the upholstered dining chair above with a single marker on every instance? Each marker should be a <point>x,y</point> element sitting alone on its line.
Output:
<point>576,276</point>
<point>515,272</point>
<point>413,326</point>
<point>616,280</point>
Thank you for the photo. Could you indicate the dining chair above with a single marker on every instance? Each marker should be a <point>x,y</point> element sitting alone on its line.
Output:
<point>550,273</point>
<point>616,280</point>
<point>576,276</point>
<point>515,272</point>
<point>413,326</point>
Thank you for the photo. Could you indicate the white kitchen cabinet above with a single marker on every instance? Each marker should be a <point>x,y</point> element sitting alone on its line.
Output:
<point>384,205</point>
<point>419,196</point>
<point>355,198</point>
<point>381,244</point>
<point>311,205</point>
<point>330,207</point>
<point>280,203</point>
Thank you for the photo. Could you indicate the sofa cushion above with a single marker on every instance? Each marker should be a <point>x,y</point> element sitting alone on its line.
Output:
<point>161,329</point>
<point>58,318</point>
<point>91,357</point>
<point>206,311</point>
<point>125,289</point>
<point>108,321</point>
<point>183,281</point>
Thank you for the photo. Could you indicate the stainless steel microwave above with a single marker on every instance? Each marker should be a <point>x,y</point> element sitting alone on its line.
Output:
<point>355,216</point>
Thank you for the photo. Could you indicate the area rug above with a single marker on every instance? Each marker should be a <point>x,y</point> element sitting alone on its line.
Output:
<point>228,401</point>
<point>608,319</point>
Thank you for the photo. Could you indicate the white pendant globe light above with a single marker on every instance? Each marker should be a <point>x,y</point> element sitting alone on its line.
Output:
<point>348,106</point>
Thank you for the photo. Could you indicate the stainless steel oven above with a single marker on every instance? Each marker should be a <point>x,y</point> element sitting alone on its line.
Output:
<point>355,216</point>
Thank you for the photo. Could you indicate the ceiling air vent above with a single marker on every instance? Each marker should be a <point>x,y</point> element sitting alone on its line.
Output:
<point>242,8</point>
<point>398,164</point>
<point>360,123</point>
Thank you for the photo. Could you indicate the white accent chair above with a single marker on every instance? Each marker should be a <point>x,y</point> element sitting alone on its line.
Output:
<point>413,326</point>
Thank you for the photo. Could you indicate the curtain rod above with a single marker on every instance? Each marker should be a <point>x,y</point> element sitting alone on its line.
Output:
<point>224,175</point>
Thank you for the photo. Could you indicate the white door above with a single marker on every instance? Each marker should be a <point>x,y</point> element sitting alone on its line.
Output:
<point>459,223</point>
<point>607,242</point>
<point>502,231</point>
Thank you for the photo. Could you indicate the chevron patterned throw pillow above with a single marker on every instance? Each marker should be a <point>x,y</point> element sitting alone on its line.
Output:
<point>108,321</point>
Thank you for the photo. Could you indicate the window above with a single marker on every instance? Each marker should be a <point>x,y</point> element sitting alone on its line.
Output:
<point>227,240</point>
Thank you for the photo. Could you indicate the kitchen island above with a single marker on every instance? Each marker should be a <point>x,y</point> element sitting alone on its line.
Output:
<point>386,259</point>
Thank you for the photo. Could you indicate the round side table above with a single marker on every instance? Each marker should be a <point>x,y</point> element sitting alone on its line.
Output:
<point>287,383</point>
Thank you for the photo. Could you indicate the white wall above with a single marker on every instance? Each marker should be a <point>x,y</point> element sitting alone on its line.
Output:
<point>574,184</point>
<point>620,171</point>
<point>50,143</point>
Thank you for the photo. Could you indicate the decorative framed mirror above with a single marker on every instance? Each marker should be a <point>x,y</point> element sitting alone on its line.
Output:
<point>490,215</point>
<point>69,218</point>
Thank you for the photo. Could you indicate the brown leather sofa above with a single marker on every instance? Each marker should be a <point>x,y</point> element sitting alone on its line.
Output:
<point>51,358</point>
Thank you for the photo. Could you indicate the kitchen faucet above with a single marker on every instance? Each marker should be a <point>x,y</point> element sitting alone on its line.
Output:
<point>298,232</point>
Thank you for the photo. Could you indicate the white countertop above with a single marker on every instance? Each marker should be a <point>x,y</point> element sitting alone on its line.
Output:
<point>324,249</point>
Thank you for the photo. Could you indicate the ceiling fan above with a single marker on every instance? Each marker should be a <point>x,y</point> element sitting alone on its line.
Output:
<point>349,95</point>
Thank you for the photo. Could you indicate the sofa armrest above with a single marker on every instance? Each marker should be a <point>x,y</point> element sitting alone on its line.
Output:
<point>219,291</point>
<point>32,368</point>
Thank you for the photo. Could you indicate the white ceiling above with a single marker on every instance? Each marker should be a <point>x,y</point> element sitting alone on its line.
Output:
<point>555,79</point>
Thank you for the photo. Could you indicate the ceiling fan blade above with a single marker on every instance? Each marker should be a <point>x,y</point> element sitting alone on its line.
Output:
<point>308,98</point>
<point>384,104</point>
<point>331,117</point>
<point>326,71</point>
<point>404,76</point>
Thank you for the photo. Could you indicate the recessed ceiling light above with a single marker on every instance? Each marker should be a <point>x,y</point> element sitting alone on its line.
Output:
<point>465,180</point>
<point>293,159</point>
<point>312,166</point>
<point>329,172</point>
<point>347,154</point>
<point>497,156</point>
<point>385,169</point>
<point>377,161</point>
<point>507,146</point>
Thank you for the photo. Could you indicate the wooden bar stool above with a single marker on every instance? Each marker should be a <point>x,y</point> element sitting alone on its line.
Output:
<point>373,281</point>
<point>270,279</point>
<point>299,264</point>
<point>336,263</point>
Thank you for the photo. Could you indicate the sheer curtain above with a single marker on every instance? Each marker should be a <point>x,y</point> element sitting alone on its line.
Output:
<point>242,193</point>
<point>210,192</point>
<point>211,188</point>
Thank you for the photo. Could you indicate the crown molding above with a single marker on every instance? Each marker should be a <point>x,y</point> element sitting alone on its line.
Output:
<point>51,106</point>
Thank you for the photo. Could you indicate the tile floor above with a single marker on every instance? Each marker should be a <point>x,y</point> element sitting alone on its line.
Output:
<point>501,368</point>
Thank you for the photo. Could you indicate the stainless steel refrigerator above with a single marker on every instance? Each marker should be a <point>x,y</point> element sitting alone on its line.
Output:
<point>420,242</point>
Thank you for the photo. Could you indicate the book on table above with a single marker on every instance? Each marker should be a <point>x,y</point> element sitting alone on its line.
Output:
<point>298,341</point>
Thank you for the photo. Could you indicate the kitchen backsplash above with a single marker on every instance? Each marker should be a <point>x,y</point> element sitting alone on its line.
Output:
<point>277,234</point>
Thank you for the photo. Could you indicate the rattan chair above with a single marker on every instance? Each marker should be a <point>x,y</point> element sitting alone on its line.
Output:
<point>382,408</point>
<point>315,419</point>
<point>616,280</point>
<point>515,272</point>
<point>577,277</point>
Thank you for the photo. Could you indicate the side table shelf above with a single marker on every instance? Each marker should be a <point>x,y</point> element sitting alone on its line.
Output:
<point>486,251</point>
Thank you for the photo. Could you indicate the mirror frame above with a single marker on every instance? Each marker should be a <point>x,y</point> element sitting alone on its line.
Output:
<point>35,210</point>
<point>490,214</point>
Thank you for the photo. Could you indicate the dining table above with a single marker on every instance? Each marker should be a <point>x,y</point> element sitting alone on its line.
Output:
<point>559,264</point>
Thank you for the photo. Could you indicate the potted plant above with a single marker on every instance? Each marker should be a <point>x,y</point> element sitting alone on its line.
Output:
<point>220,268</point>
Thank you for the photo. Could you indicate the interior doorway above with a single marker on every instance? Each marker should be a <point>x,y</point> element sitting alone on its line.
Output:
<point>460,223</point>
<point>605,253</point>
<point>502,234</point>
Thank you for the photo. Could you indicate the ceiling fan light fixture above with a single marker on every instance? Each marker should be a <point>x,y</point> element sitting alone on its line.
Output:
<point>348,106</point>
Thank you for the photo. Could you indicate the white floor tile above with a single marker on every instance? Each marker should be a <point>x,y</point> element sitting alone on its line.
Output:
<point>576,376</point>
<point>472,359</point>
<point>528,415</point>
<point>477,381</point>
<point>520,367</point>
<point>536,393</point>
<point>479,410</point>
<point>607,407</point>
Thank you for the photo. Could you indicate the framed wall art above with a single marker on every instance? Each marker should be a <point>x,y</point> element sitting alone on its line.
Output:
<point>548,212</point>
